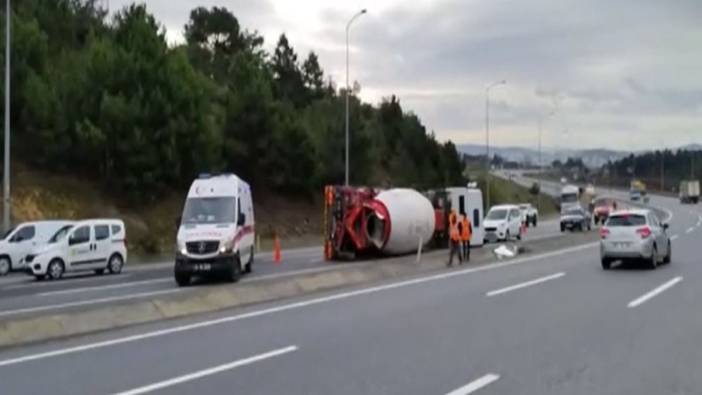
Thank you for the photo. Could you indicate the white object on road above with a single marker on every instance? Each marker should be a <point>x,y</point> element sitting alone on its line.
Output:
<point>476,385</point>
<point>91,245</point>
<point>503,252</point>
<point>401,216</point>
<point>525,284</point>
<point>641,300</point>
<point>690,230</point>
<point>208,372</point>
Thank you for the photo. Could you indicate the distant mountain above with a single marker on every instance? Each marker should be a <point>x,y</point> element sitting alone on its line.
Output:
<point>591,157</point>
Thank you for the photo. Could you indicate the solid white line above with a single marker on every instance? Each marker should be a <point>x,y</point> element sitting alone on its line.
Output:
<point>65,280</point>
<point>207,372</point>
<point>85,302</point>
<point>525,284</point>
<point>690,230</point>
<point>475,385</point>
<point>674,237</point>
<point>105,287</point>
<point>290,306</point>
<point>653,293</point>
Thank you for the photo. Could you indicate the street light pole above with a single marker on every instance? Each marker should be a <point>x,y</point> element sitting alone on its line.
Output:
<point>487,139</point>
<point>6,169</point>
<point>541,164</point>
<point>348,28</point>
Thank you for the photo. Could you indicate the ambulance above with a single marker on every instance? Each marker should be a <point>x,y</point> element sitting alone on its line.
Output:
<point>216,230</point>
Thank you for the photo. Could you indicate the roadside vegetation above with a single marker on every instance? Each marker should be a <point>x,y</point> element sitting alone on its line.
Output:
<point>108,103</point>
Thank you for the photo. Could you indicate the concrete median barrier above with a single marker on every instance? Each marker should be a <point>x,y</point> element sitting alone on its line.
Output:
<point>197,300</point>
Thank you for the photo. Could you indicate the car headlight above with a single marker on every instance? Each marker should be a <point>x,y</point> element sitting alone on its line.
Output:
<point>180,247</point>
<point>226,247</point>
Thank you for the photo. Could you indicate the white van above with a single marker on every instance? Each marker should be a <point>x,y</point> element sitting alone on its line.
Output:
<point>20,240</point>
<point>216,229</point>
<point>95,244</point>
<point>469,201</point>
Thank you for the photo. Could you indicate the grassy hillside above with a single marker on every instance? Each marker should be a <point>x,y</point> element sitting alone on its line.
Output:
<point>150,228</point>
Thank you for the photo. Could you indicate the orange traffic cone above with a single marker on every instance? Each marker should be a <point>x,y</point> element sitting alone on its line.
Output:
<point>276,250</point>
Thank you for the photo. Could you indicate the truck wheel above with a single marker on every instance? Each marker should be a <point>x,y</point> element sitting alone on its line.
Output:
<point>249,264</point>
<point>55,270</point>
<point>116,264</point>
<point>4,266</point>
<point>562,228</point>
<point>606,263</point>
<point>653,261</point>
<point>234,272</point>
<point>669,256</point>
<point>182,279</point>
<point>535,221</point>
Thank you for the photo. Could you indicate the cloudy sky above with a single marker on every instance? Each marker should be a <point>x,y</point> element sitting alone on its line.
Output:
<point>623,74</point>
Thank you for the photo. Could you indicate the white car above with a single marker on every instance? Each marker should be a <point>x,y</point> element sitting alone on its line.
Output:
<point>503,223</point>
<point>20,240</point>
<point>91,245</point>
<point>530,215</point>
<point>635,235</point>
<point>216,231</point>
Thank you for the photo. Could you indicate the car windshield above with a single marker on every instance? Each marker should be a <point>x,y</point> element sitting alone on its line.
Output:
<point>626,220</point>
<point>60,234</point>
<point>210,210</point>
<point>8,233</point>
<point>569,198</point>
<point>574,211</point>
<point>497,214</point>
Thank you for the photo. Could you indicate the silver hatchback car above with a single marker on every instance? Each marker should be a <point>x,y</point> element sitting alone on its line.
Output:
<point>634,235</point>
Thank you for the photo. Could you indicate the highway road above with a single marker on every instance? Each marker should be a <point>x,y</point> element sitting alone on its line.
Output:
<point>22,295</point>
<point>554,323</point>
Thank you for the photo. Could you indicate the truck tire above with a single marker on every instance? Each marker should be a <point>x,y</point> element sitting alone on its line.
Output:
<point>249,263</point>
<point>652,262</point>
<point>182,279</point>
<point>606,263</point>
<point>562,228</point>
<point>234,272</point>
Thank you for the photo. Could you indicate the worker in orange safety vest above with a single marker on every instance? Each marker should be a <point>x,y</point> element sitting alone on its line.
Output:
<point>455,236</point>
<point>466,235</point>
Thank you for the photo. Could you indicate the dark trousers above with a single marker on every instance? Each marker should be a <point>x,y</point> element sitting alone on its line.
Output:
<point>466,250</point>
<point>455,250</point>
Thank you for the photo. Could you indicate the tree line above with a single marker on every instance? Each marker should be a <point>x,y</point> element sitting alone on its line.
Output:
<point>107,98</point>
<point>660,169</point>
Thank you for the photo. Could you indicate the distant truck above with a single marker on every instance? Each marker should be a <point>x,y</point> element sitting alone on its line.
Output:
<point>570,197</point>
<point>637,191</point>
<point>689,192</point>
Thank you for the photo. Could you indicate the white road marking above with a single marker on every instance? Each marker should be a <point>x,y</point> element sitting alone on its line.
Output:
<point>207,372</point>
<point>639,301</point>
<point>525,284</point>
<point>65,280</point>
<point>106,287</point>
<point>475,385</point>
<point>674,237</point>
<point>290,306</point>
<point>690,230</point>
<point>85,302</point>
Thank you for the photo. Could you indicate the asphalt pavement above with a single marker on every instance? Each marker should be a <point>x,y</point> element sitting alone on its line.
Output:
<point>554,323</point>
<point>22,295</point>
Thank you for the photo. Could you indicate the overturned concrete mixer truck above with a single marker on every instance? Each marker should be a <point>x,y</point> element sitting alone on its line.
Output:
<point>364,221</point>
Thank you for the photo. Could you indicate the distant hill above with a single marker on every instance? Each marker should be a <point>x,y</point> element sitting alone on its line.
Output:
<point>591,157</point>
